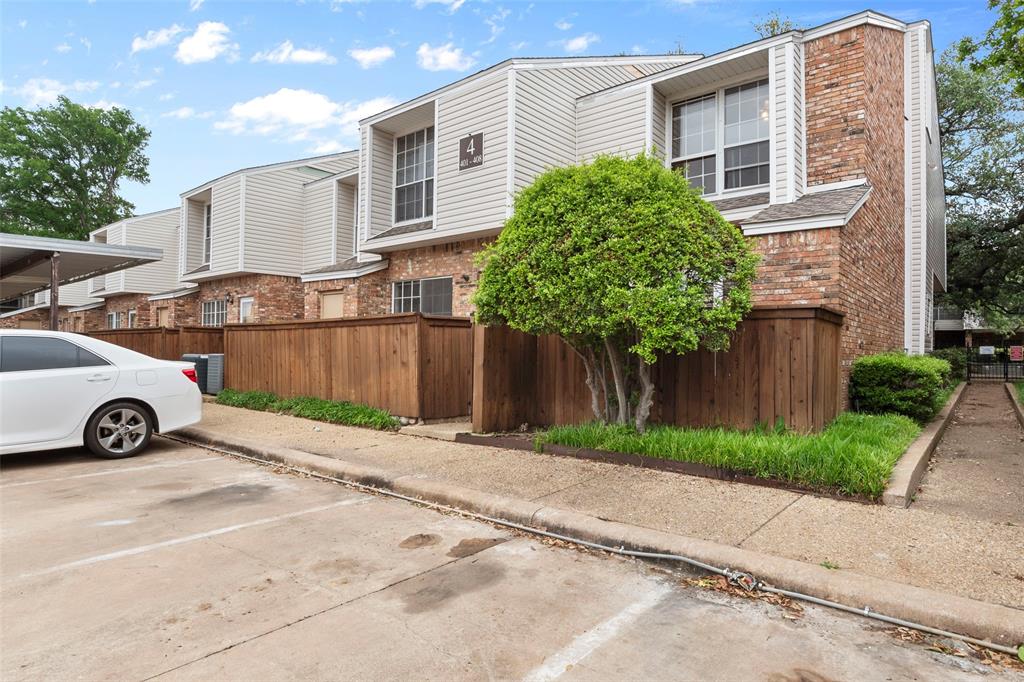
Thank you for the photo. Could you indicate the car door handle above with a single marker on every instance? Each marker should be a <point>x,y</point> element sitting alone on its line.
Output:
<point>95,378</point>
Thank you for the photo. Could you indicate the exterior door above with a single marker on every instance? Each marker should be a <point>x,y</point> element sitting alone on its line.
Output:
<point>47,386</point>
<point>332,304</point>
<point>163,316</point>
<point>30,324</point>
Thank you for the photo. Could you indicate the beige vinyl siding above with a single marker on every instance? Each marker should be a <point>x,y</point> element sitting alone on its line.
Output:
<point>546,114</point>
<point>382,182</point>
<point>74,294</point>
<point>613,123</point>
<point>787,77</point>
<point>158,231</point>
<point>476,197</point>
<point>935,192</point>
<point>916,275</point>
<point>273,221</point>
<point>337,164</point>
<point>659,131</point>
<point>799,122</point>
<point>364,181</point>
<point>226,225</point>
<point>194,235</point>
<point>115,235</point>
<point>317,235</point>
<point>346,212</point>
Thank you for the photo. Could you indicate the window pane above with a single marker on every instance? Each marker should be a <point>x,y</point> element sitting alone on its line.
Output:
<point>27,353</point>
<point>436,297</point>
<point>693,127</point>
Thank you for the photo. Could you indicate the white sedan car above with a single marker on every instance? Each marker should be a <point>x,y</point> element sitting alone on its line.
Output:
<point>60,390</point>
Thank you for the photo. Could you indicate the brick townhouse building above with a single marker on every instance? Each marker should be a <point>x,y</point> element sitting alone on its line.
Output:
<point>820,144</point>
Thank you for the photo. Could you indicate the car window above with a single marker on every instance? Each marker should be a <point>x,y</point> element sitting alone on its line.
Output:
<point>24,353</point>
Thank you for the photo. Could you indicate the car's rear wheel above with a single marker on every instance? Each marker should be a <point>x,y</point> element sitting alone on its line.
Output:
<point>119,430</point>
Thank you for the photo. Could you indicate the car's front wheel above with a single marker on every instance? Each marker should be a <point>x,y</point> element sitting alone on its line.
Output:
<point>118,430</point>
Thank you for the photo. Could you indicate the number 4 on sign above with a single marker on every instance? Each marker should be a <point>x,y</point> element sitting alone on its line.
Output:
<point>471,147</point>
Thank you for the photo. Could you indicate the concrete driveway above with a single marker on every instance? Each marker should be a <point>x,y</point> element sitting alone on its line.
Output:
<point>183,564</point>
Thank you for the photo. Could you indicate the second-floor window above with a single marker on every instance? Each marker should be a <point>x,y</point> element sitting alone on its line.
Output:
<point>414,176</point>
<point>207,232</point>
<point>721,139</point>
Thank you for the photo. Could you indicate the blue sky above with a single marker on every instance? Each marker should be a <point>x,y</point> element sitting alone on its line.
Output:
<point>224,85</point>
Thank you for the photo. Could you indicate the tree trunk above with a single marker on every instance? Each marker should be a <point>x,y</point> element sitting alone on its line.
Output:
<point>619,375</point>
<point>643,407</point>
<point>594,380</point>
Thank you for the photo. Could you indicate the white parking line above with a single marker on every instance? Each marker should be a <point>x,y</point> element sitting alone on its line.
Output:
<point>586,643</point>
<point>190,538</point>
<point>106,472</point>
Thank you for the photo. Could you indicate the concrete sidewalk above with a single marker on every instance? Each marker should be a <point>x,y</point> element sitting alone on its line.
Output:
<point>968,557</point>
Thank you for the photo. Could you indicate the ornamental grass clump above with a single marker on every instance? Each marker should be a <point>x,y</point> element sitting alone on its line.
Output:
<point>318,409</point>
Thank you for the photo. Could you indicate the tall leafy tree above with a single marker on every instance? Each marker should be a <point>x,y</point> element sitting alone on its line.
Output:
<point>1002,48</point>
<point>623,261</point>
<point>61,168</point>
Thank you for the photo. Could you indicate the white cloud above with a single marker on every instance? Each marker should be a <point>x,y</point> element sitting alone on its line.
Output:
<point>496,22</point>
<point>142,85</point>
<point>105,104</point>
<point>445,57</point>
<point>87,44</point>
<point>519,45</point>
<point>155,38</point>
<point>166,97</point>
<point>23,23</point>
<point>301,115</point>
<point>184,113</point>
<point>193,5</point>
<point>370,57</point>
<point>43,91</point>
<point>580,43</point>
<point>563,25</point>
<point>63,48</point>
<point>328,147</point>
<point>285,53</point>
<point>209,41</point>
<point>452,5</point>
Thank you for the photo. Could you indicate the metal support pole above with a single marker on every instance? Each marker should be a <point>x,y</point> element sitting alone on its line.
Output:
<point>54,290</point>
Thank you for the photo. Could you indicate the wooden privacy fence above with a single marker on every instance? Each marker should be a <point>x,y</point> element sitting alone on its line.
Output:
<point>166,343</point>
<point>411,365</point>
<point>783,362</point>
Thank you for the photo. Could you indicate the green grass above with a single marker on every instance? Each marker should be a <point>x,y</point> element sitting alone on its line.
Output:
<point>333,411</point>
<point>1020,390</point>
<point>853,456</point>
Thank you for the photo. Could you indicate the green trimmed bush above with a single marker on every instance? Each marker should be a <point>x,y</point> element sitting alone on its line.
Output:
<point>894,383</point>
<point>957,359</point>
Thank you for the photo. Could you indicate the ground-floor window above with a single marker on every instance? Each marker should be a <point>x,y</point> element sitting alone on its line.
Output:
<point>215,313</point>
<point>433,295</point>
<point>131,319</point>
<point>113,320</point>
<point>246,309</point>
<point>332,304</point>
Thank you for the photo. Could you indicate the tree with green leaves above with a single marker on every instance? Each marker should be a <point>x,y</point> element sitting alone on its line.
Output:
<point>61,168</point>
<point>1002,48</point>
<point>623,261</point>
<point>981,126</point>
<point>773,25</point>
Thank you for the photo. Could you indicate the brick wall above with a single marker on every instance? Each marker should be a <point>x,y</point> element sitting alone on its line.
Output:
<point>85,321</point>
<point>455,260</point>
<point>126,302</point>
<point>798,268</point>
<point>181,312</point>
<point>27,320</point>
<point>361,296</point>
<point>276,297</point>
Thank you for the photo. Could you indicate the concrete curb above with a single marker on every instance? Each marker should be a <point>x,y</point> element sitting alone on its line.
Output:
<point>909,470</point>
<point>998,624</point>
<point>1011,390</point>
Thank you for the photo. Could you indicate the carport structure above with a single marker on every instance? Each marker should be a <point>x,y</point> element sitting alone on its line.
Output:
<point>30,264</point>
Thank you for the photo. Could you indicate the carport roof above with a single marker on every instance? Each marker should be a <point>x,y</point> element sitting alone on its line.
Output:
<point>25,261</point>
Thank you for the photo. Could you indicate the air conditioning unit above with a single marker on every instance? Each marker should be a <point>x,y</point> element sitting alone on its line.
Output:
<point>214,373</point>
<point>202,367</point>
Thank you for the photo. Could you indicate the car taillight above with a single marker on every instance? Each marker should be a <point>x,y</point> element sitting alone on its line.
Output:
<point>191,374</point>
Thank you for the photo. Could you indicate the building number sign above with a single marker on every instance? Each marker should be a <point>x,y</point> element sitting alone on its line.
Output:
<point>471,151</point>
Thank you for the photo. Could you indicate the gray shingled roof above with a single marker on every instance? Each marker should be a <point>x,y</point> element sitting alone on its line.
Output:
<point>741,202</point>
<point>829,203</point>
<point>404,229</point>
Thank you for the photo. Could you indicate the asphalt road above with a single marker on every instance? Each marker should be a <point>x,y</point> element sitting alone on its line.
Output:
<point>185,564</point>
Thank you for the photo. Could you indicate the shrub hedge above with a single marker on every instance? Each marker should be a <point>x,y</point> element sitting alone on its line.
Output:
<point>957,359</point>
<point>333,411</point>
<point>894,383</point>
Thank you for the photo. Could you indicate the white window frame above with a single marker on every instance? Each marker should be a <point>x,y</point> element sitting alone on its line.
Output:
<point>242,302</point>
<point>419,295</point>
<point>207,232</point>
<point>132,317</point>
<point>719,95</point>
<point>214,316</point>
<point>113,320</point>
<point>394,180</point>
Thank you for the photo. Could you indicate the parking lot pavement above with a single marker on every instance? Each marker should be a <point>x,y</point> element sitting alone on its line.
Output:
<point>183,564</point>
